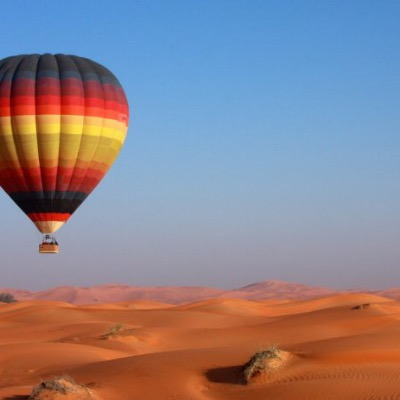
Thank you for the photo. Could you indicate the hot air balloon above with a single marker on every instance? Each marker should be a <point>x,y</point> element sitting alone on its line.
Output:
<point>63,121</point>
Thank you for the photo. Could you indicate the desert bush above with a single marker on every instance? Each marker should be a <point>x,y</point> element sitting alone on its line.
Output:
<point>7,298</point>
<point>114,330</point>
<point>61,384</point>
<point>361,306</point>
<point>258,363</point>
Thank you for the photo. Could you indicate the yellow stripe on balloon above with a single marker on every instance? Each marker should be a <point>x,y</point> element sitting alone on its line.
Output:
<point>5,126</point>
<point>69,149</point>
<point>72,124</point>
<point>27,149</point>
<point>8,149</point>
<point>49,146</point>
<point>47,124</point>
<point>23,125</point>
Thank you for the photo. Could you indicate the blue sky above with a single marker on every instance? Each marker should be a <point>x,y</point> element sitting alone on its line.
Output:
<point>264,144</point>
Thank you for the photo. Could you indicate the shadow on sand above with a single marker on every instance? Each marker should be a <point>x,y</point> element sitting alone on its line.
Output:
<point>232,375</point>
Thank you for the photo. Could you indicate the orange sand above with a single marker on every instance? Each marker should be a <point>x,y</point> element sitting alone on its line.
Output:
<point>153,351</point>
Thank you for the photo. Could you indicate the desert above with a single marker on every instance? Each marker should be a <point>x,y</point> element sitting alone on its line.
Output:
<point>343,345</point>
<point>199,200</point>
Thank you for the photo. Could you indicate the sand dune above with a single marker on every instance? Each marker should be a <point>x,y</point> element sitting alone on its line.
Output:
<point>267,290</point>
<point>118,293</point>
<point>342,346</point>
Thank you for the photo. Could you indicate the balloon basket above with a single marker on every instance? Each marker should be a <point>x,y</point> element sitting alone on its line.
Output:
<point>49,245</point>
<point>47,248</point>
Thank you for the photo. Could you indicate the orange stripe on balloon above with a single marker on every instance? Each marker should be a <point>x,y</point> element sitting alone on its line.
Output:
<point>49,216</point>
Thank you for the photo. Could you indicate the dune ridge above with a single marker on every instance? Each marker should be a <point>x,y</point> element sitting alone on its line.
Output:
<point>270,289</point>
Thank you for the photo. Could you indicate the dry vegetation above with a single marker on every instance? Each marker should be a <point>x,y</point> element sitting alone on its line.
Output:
<point>7,298</point>
<point>361,306</point>
<point>113,331</point>
<point>61,385</point>
<point>259,363</point>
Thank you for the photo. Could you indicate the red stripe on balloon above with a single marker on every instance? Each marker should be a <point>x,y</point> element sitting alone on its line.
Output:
<point>49,216</point>
<point>82,180</point>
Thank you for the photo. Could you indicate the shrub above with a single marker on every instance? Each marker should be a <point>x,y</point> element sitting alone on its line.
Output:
<point>60,384</point>
<point>259,363</point>
<point>361,306</point>
<point>113,331</point>
<point>7,298</point>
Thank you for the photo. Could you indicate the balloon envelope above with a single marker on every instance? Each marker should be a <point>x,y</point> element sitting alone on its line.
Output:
<point>63,121</point>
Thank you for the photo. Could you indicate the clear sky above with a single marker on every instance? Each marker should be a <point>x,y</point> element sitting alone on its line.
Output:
<point>264,144</point>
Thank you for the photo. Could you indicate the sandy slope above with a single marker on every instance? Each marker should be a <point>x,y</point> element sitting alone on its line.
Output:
<point>153,351</point>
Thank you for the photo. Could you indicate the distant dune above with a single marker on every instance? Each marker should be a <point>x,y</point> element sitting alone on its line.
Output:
<point>340,346</point>
<point>271,289</point>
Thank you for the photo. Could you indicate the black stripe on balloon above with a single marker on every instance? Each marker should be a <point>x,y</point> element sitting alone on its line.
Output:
<point>90,70</point>
<point>48,201</point>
